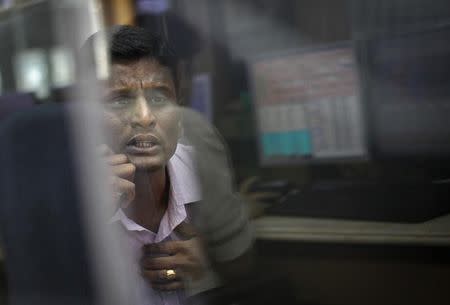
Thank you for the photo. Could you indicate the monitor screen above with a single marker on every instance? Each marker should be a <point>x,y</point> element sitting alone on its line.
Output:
<point>308,105</point>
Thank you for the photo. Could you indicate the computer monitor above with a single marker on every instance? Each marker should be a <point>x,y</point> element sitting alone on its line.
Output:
<point>381,97</point>
<point>389,89</point>
<point>308,105</point>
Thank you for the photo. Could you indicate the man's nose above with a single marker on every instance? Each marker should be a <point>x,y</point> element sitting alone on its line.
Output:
<point>143,114</point>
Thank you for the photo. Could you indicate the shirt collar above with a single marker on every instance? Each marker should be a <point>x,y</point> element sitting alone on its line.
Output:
<point>184,185</point>
<point>184,189</point>
<point>129,224</point>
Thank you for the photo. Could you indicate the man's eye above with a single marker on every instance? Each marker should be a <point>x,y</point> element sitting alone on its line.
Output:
<point>158,100</point>
<point>118,102</point>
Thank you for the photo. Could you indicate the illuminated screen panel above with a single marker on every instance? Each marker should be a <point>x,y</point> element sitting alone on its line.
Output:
<point>308,105</point>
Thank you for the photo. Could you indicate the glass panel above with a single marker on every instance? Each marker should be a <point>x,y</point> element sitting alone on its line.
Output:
<point>225,152</point>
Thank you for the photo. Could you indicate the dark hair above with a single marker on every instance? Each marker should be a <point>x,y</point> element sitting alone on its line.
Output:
<point>134,43</point>
<point>131,43</point>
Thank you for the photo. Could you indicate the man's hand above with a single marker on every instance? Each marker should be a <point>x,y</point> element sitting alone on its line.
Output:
<point>186,258</point>
<point>123,175</point>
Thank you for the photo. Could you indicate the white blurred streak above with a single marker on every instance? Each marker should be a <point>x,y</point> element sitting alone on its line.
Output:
<point>100,44</point>
<point>101,58</point>
<point>95,15</point>
<point>62,66</point>
<point>109,264</point>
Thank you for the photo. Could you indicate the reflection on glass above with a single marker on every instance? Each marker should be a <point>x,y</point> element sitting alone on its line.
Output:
<point>5,4</point>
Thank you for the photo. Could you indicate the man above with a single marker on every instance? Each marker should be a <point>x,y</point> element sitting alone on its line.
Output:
<point>161,181</point>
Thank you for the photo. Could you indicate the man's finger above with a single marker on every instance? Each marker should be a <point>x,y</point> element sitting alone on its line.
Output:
<point>125,171</point>
<point>160,263</point>
<point>169,286</point>
<point>159,276</point>
<point>186,231</point>
<point>248,183</point>
<point>117,159</point>
<point>125,188</point>
<point>168,247</point>
<point>259,196</point>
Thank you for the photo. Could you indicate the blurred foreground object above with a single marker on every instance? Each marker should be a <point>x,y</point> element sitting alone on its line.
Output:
<point>11,103</point>
<point>42,221</point>
<point>47,259</point>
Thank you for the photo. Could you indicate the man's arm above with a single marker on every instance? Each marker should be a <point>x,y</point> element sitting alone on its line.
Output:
<point>222,217</point>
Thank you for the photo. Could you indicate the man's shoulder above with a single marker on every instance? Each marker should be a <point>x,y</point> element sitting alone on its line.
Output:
<point>200,133</point>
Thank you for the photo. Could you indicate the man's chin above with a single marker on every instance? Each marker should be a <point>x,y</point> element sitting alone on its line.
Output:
<point>146,162</point>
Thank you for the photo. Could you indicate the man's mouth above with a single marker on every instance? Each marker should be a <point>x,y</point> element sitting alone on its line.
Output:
<point>141,144</point>
<point>144,143</point>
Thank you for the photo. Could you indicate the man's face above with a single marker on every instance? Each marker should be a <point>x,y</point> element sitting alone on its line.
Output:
<point>142,117</point>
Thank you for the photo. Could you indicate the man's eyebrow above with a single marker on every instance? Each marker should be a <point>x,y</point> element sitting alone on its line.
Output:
<point>152,85</point>
<point>128,89</point>
<point>123,90</point>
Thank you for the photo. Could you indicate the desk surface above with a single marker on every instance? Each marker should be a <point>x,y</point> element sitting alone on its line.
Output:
<point>432,232</point>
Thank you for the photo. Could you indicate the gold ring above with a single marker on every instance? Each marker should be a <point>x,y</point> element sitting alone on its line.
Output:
<point>170,274</point>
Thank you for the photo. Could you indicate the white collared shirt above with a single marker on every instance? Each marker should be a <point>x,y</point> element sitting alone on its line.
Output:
<point>184,189</point>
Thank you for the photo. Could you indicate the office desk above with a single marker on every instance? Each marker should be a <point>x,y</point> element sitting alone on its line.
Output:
<point>338,262</point>
<point>434,232</point>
